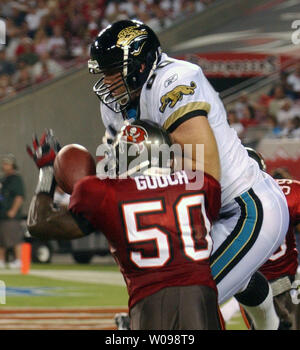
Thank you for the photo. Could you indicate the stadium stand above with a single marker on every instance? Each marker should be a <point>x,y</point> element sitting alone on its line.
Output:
<point>277,110</point>
<point>47,37</point>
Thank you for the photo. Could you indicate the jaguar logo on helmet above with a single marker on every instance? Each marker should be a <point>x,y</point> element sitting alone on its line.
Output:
<point>130,34</point>
<point>134,134</point>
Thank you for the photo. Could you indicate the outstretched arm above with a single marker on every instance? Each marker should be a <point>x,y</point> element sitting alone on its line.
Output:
<point>44,220</point>
<point>47,222</point>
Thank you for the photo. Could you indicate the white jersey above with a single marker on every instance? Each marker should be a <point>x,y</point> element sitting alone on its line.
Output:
<point>177,91</point>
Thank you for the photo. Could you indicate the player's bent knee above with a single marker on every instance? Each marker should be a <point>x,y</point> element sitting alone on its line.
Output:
<point>256,291</point>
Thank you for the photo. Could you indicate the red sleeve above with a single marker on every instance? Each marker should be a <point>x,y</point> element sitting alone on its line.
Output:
<point>294,202</point>
<point>87,199</point>
<point>291,190</point>
<point>213,196</point>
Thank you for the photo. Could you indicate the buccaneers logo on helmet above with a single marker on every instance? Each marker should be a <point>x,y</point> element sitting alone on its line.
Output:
<point>134,134</point>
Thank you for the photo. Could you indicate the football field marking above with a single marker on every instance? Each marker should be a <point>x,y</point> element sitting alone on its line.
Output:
<point>95,277</point>
<point>59,318</point>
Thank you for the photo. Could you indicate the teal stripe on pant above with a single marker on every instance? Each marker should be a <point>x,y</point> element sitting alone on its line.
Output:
<point>242,234</point>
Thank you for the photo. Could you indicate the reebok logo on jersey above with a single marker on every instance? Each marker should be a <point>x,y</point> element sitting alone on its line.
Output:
<point>171,80</point>
<point>175,95</point>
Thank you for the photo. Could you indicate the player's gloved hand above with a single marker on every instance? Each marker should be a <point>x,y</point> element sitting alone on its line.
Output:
<point>43,152</point>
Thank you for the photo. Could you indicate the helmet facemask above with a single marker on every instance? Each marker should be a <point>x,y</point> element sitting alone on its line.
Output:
<point>126,83</point>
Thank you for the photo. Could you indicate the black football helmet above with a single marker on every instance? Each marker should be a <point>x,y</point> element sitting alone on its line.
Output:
<point>257,157</point>
<point>143,147</point>
<point>121,49</point>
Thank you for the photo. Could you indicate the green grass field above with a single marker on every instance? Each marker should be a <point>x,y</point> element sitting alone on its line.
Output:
<point>31,290</point>
<point>236,323</point>
<point>62,293</point>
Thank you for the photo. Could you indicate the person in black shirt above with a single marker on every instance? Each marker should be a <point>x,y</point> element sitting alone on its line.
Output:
<point>11,200</point>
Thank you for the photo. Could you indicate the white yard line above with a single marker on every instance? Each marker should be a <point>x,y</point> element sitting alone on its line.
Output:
<point>96,277</point>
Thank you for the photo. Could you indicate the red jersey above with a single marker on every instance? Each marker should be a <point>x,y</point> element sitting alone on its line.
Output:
<point>284,261</point>
<point>158,230</point>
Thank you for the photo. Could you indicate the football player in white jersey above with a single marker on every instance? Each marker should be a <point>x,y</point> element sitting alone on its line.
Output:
<point>139,81</point>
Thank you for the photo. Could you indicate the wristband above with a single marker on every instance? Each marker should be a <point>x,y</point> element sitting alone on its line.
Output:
<point>46,183</point>
<point>281,285</point>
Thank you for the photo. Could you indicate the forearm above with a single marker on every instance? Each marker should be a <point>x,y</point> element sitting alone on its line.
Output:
<point>46,222</point>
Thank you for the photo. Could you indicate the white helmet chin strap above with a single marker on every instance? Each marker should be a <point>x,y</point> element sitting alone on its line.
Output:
<point>157,53</point>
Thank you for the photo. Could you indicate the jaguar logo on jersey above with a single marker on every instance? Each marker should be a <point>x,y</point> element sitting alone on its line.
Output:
<point>175,95</point>
<point>134,134</point>
<point>130,34</point>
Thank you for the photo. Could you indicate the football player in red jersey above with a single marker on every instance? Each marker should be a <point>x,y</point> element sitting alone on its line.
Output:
<point>281,268</point>
<point>158,231</point>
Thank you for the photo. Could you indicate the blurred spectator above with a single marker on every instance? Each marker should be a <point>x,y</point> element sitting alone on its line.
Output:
<point>275,128</point>
<point>7,89</point>
<point>295,132</point>
<point>131,8</point>
<point>14,35</point>
<point>2,93</point>
<point>41,42</point>
<point>292,128</point>
<point>294,80</point>
<point>114,11</point>
<point>6,9</point>
<point>288,90</point>
<point>287,111</point>
<point>234,122</point>
<point>264,99</point>
<point>34,16</point>
<point>159,19</point>
<point>240,105</point>
<point>192,6</point>
<point>262,114</point>
<point>277,100</point>
<point>248,117</point>
<point>46,67</point>
<point>57,43</point>
<point>23,78</point>
<point>12,197</point>
<point>44,74</point>
<point>26,53</point>
<point>19,11</point>
<point>6,66</point>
